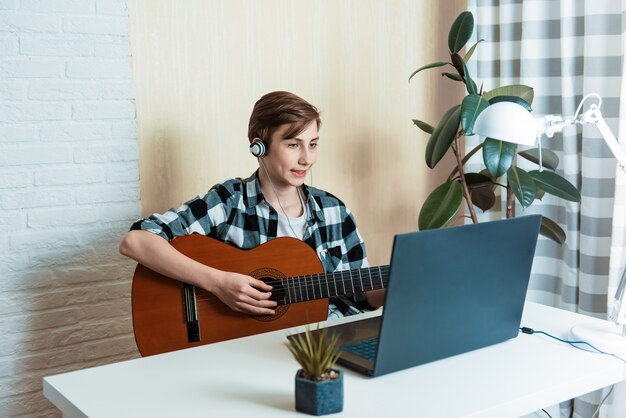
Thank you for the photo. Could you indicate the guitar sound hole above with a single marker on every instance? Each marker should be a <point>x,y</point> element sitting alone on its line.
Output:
<point>272,277</point>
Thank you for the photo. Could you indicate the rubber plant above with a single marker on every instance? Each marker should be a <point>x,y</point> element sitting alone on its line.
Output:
<point>500,158</point>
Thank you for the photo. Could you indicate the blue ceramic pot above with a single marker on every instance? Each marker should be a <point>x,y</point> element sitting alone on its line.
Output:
<point>319,397</point>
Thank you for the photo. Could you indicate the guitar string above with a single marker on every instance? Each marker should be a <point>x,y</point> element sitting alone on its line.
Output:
<point>290,283</point>
<point>297,283</point>
<point>286,294</point>
<point>302,281</point>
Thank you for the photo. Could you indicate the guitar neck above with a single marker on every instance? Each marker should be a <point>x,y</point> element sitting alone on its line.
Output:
<point>328,285</point>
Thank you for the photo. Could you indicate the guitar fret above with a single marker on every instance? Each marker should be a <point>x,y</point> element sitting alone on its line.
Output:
<point>312,285</point>
<point>319,283</point>
<point>306,287</point>
<point>381,277</point>
<point>335,282</point>
<point>371,283</point>
<point>300,287</point>
<point>351,281</point>
<point>343,282</point>
<point>285,295</point>
<point>327,288</point>
<point>290,288</point>
<point>361,280</point>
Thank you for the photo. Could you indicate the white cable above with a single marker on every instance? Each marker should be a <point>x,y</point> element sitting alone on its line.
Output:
<point>602,402</point>
<point>580,105</point>
<point>278,199</point>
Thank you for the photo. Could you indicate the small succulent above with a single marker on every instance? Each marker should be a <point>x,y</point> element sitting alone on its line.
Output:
<point>316,353</point>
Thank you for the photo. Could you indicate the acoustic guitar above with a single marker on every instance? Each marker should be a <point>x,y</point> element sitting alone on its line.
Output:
<point>169,315</point>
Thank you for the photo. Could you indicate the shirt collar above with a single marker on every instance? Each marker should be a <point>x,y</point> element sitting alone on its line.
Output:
<point>254,195</point>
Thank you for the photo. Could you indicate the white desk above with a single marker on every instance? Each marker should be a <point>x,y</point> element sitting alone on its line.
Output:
<point>254,376</point>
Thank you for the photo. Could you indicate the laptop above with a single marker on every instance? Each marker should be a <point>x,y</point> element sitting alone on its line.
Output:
<point>450,291</point>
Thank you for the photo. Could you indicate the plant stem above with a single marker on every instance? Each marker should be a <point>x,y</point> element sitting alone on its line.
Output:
<point>466,193</point>
<point>510,202</point>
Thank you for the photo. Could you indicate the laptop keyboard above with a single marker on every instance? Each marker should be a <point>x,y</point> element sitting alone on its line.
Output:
<point>365,349</point>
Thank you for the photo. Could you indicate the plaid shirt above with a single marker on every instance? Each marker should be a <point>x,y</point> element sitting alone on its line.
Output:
<point>237,213</point>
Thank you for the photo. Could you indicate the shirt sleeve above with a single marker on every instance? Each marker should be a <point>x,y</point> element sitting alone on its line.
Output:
<point>355,255</point>
<point>202,215</point>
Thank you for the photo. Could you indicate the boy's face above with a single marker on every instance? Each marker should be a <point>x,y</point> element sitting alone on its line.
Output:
<point>290,159</point>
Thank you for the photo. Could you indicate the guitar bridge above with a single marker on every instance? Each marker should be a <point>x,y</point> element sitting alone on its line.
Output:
<point>191,313</point>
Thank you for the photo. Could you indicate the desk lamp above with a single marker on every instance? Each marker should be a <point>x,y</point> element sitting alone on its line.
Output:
<point>512,122</point>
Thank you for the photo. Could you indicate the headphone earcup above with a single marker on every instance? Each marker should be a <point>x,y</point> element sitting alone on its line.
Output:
<point>258,149</point>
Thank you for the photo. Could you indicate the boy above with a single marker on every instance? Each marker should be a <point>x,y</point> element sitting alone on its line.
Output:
<point>273,202</point>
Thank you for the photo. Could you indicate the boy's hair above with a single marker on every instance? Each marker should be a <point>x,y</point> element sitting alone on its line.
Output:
<point>279,108</point>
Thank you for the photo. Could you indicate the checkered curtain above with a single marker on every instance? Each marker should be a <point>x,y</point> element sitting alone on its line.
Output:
<point>564,50</point>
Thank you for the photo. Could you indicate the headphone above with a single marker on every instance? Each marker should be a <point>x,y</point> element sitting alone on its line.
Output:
<point>258,148</point>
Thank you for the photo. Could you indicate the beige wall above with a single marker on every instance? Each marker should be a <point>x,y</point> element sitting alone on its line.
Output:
<point>199,66</point>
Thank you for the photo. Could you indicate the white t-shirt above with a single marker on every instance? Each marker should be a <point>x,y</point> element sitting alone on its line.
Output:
<point>288,226</point>
<point>297,224</point>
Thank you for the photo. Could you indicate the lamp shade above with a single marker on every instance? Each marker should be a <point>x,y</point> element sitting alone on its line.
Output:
<point>507,121</point>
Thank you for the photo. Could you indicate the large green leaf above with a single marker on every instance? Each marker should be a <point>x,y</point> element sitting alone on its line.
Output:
<point>548,157</point>
<point>556,185</point>
<point>453,76</point>
<point>426,127</point>
<point>440,207</point>
<point>461,31</point>
<point>443,136</point>
<point>512,99</point>
<point>471,107</point>
<point>552,230</point>
<point>469,83</point>
<point>483,197</point>
<point>519,90</point>
<point>494,180</point>
<point>481,187</point>
<point>498,156</point>
<point>465,159</point>
<point>539,193</point>
<point>476,180</point>
<point>458,64</point>
<point>522,185</point>
<point>469,54</point>
<point>425,67</point>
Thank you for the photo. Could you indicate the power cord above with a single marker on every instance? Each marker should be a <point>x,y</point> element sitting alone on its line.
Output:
<point>595,414</point>
<point>575,344</point>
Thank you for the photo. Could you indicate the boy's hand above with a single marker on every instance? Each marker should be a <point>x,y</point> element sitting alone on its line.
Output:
<point>244,294</point>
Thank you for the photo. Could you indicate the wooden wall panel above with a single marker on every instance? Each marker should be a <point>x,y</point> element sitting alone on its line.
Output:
<point>199,66</point>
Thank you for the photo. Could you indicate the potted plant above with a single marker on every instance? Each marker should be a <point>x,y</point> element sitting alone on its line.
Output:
<point>319,387</point>
<point>500,158</point>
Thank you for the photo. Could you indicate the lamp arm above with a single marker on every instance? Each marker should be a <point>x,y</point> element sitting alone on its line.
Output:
<point>617,311</point>
<point>593,115</point>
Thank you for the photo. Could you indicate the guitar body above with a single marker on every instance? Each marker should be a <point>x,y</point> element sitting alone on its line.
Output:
<point>158,302</point>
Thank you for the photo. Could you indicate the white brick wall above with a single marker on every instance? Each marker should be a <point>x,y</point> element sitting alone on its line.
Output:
<point>69,189</point>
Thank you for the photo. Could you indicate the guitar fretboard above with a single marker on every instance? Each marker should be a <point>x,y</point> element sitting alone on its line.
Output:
<point>327,285</point>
